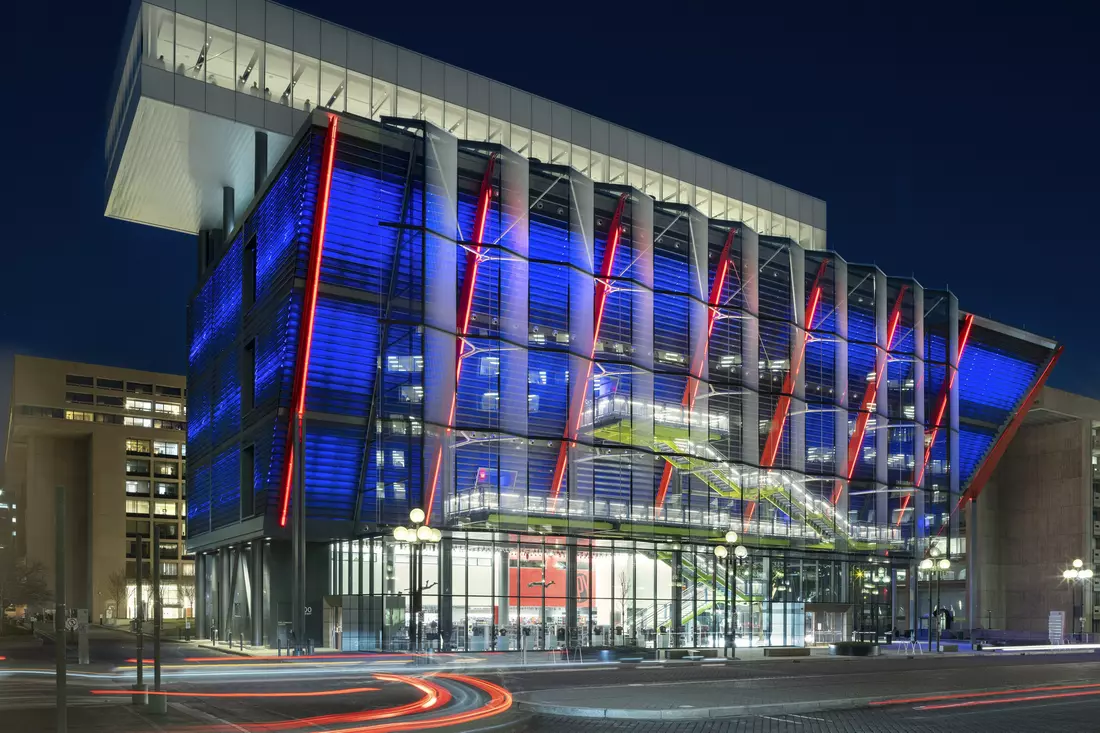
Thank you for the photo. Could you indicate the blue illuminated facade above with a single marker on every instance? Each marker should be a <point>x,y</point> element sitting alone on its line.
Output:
<point>633,381</point>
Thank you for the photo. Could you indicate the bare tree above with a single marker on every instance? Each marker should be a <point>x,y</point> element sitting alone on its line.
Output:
<point>118,590</point>
<point>626,582</point>
<point>187,595</point>
<point>22,581</point>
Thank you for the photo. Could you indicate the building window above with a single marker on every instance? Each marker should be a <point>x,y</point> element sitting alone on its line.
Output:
<point>248,480</point>
<point>138,422</point>
<point>79,398</point>
<point>139,388</point>
<point>248,297</point>
<point>404,363</point>
<point>165,509</point>
<point>137,488</point>
<point>167,470</point>
<point>102,383</point>
<point>162,424</point>
<point>137,447</point>
<point>167,490</point>
<point>169,568</point>
<point>137,507</point>
<point>188,569</point>
<point>412,393</point>
<point>166,449</point>
<point>397,458</point>
<point>169,408</point>
<point>79,416</point>
<point>109,401</point>
<point>76,380</point>
<point>136,467</point>
<point>139,405</point>
<point>164,391</point>
<point>248,379</point>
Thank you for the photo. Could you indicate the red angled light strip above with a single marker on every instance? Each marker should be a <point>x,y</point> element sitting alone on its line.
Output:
<point>941,407</point>
<point>691,390</point>
<point>603,289</point>
<point>782,407</point>
<point>856,441</point>
<point>465,311</point>
<point>309,309</point>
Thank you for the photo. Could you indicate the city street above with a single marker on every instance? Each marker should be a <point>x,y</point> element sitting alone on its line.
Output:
<point>213,691</point>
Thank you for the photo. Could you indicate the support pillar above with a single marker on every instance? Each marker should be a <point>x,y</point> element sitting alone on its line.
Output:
<point>446,589</point>
<point>572,623</point>
<point>503,615</point>
<point>229,213</point>
<point>256,564</point>
<point>677,596</point>
<point>260,169</point>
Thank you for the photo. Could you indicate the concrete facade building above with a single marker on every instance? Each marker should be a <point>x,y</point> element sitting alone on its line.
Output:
<point>1040,512</point>
<point>115,439</point>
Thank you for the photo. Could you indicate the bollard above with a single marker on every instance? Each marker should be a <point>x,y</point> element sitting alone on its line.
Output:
<point>242,642</point>
<point>278,647</point>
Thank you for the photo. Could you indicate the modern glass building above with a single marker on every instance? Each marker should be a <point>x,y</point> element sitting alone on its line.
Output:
<point>584,377</point>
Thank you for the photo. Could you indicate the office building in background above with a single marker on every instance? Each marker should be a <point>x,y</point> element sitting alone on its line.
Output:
<point>585,355</point>
<point>116,440</point>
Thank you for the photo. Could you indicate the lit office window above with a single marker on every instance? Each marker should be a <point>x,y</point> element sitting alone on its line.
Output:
<point>167,470</point>
<point>166,509</point>
<point>166,449</point>
<point>139,405</point>
<point>138,422</point>
<point>306,82</point>
<point>79,416</point>
<point>220,57</point>
<point>137,488</point>
<point>158,36</point>
<point>250,66</point>
<point>191,47</point>
<point>358,94</point>
<point>137,446</point>
<point>333,87</point>
<point>169,408</point>
<point>277,75</point>
<point>136,506</point>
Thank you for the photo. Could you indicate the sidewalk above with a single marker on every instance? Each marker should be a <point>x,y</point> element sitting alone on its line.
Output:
<point>778,687</point>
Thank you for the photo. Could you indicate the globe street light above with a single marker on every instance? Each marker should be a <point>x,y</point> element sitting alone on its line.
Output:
<point>1079,576</point>
<point>722,552</point>
<point>416,537</point>
<point>933,564</point>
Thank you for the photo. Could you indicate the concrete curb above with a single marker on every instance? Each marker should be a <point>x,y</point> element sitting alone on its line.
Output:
<point>727,711</point>
<point>682,714</point>
<point>234,652</point>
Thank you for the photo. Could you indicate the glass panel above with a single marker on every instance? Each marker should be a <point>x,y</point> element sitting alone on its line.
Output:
<point>250,65</point>
<point>158,34</point>
<point>220,60</point>
<point>477,126</point>
<point>540,146</point>
<point>384,99</point>
<point>408,103</point>
<point>190,46</point>
<point>433,110</point>
<point>499,131</point>
<point>359,94</point>
<point>521,140</point>
<point>333,87</point>
<point>277,75</point>
<point>454,120</point>
<point>306,82</point>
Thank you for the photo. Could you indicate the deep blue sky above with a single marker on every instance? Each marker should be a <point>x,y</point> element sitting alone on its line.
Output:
<point>955,146</point>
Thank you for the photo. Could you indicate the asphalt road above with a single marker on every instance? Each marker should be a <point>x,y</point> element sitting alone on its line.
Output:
<point>1061,715</point>
<point>105,646</point>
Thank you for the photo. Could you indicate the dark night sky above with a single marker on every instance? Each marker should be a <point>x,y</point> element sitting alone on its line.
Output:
<point>954,146</point>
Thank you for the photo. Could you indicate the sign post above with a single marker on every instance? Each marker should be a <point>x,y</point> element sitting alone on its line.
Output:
<point>82,635</point>
<point>59,611</point>
<point>158,704</point>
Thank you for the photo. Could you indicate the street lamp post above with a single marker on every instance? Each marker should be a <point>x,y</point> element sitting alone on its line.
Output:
<point>1079,576</point>
<point>934,565</point>
<point>739,553</point>
<point>416,537</point>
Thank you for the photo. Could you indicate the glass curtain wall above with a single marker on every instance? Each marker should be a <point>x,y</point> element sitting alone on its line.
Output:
<point>511,592</point>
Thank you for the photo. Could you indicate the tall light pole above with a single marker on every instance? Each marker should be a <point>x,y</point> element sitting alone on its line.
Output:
<point>1079,576</point>
<point>416,537</point>
<point>934,565</point>
<point>739,553</point>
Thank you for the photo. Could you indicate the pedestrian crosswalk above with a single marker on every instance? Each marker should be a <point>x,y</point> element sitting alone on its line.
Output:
<point>27,693</point>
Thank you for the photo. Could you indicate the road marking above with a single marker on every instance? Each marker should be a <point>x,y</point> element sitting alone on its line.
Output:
<point>782,720</point>
<point>807,717</point>
<point>205,716</point>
